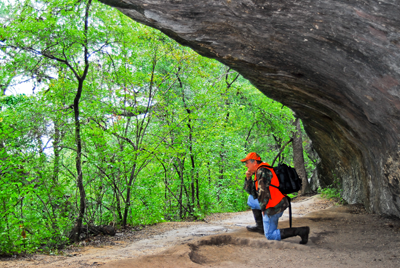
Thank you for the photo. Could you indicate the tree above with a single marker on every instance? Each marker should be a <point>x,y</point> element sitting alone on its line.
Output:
<point>298,157</point>
<point>63,43</point>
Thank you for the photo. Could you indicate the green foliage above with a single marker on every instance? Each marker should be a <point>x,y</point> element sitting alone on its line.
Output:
<point>12,101</point>
<point>162,128</point>
<point>293,195</point>
<point>332,193</point>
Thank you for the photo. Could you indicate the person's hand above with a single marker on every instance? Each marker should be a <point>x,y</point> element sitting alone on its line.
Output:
<point>263,213</point>
<point>248,174</point>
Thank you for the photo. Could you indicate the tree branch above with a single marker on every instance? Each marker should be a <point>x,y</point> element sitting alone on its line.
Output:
<point>281,150</point>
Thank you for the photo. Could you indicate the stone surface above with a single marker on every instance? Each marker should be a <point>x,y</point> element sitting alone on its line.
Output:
<point>335,63</point>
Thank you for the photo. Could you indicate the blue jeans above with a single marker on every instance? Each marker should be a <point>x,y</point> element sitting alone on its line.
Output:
<point>271,230</point>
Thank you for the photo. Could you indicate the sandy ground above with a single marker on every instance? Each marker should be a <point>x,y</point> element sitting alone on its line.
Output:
<point>341,236</point>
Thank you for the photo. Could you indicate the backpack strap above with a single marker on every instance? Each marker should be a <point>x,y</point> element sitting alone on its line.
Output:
<point>271,184</point>
<point>290,211</point>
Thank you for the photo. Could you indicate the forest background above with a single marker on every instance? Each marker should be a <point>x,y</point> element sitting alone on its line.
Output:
<point>124,126</point>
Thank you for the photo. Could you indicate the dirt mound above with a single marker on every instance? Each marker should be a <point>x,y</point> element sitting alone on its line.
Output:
<point>340,237</point>
<point>235,248</point>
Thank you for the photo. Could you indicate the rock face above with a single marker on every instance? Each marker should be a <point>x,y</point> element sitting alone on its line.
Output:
<point>335,63</point>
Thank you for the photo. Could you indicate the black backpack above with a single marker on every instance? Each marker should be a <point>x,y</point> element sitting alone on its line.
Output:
<point>289,181</point>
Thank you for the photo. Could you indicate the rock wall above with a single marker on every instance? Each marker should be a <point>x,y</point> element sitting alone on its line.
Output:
<point>335,63</point>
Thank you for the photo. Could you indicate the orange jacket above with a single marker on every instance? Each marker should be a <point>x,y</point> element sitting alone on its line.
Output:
<point>275,194</point>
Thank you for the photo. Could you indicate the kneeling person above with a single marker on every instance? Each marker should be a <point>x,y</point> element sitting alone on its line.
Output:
<point>267,202</point>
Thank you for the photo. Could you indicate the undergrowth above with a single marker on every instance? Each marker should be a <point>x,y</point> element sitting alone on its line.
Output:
<point>332,193</point>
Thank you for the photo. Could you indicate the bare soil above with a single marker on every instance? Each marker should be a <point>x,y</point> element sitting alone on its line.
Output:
<point>341,236</point>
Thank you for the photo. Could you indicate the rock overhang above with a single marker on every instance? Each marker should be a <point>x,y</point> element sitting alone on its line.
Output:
<point>335,63</point>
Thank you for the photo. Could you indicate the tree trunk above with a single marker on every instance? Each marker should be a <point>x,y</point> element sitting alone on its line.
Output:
<point>192,184</point>
<point>118,204</point>
<point>78,140</point>
<point>78,163</point>
<point>56,151</point>
<point>298,157</point>
<point>180,200</point>
<point>128,193</point>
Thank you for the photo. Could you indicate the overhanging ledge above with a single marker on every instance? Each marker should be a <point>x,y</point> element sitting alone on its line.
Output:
<point>335,63</point>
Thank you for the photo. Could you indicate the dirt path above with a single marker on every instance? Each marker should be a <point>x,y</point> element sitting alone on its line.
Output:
<point>341,236</point>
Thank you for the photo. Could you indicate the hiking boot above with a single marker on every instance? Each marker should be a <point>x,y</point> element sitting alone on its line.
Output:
<point>259,227</point>
<point>303,232</point>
